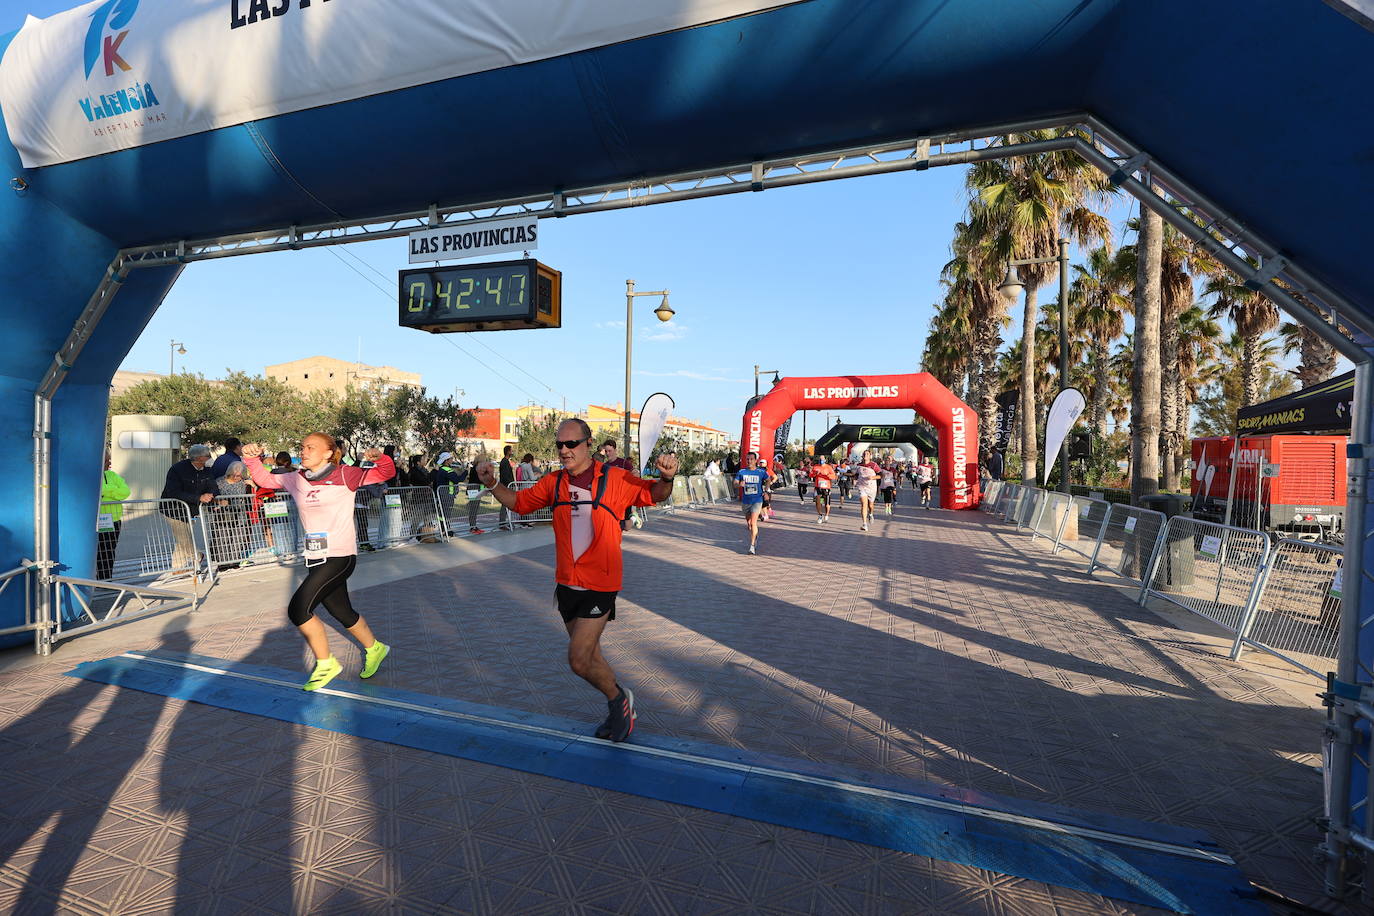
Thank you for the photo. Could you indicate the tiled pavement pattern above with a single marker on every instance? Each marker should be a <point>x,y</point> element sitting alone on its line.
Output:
<point>938,646</point>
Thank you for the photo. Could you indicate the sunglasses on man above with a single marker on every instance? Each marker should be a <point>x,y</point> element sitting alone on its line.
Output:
<point>568,444</point>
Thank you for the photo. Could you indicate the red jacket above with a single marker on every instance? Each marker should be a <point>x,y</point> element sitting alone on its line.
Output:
<point>600,566</point>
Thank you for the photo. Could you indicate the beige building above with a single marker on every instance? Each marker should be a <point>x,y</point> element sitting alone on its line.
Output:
<point>124,380</point>
<point>324,373</point>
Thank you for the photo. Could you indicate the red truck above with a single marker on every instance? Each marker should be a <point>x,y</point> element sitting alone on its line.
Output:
<point>1292,483</point>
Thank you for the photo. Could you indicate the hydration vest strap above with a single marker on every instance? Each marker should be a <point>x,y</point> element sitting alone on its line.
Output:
<point>596,498</point>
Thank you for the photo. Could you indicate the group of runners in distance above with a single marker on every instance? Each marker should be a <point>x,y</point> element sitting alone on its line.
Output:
<point>831,482</point>
<point>588,499</point>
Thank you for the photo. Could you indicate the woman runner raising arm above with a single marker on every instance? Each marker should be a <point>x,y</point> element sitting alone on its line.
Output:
<point>323,493</point>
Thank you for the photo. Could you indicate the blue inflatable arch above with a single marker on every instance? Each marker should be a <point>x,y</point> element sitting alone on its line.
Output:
<point>1252,120</point>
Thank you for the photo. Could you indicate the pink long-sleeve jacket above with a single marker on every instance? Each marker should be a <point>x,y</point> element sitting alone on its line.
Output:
<point>326,505</point>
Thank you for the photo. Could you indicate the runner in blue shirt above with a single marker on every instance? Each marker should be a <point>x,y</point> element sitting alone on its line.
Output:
<point>753,484</point>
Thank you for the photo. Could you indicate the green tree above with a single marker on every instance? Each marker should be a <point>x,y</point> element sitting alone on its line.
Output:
<point>1099,288</point>
<point>1254,315</point>
<point>1019,209</point>
<point>536,435</point>
<point>433,425</point>
<point>201,403</point>
<point>1225,391</point>
<point>373,415</point>
<point>269,411</point>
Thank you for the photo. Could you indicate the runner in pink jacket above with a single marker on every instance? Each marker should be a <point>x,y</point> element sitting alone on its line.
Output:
<point>323,493</point>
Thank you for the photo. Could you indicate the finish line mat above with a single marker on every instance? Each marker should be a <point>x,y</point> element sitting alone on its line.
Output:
<point>1154,864</point>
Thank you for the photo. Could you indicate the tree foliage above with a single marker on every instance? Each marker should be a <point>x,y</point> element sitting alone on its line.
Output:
<point>536,435</point>
<point>259,409</point>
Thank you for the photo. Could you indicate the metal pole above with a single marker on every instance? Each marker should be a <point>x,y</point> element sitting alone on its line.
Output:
<point>803,448</point>
<point>1341,728</point>
<point>629,344</point>
<point>1064,353</point>
<point>756,379</point>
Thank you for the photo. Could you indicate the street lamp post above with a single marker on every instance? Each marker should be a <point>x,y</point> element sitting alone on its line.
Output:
<point>664,313</point>
<point>758,372</point>
<point>172,357</point>
<point>1011,287</point>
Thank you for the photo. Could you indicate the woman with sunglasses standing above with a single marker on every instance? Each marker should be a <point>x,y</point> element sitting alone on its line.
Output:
<point>589,499</point>
<point>323,492</point>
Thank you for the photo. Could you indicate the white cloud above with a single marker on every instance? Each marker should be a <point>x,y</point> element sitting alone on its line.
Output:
<point>665,332</point>
<point>685,373</point>
<point>610,324</point>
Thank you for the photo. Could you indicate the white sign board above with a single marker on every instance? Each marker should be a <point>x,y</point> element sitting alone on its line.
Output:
<point>275,508</point>
<point>1269,470</point>
<point>393,500</point>
<point>1084,509</point>
<point>104,522</point>
<point>120,74</point>
<point>1210,546</point>
<point>1336,583</point>
<point>1130,524</point>
<point>474,239</point>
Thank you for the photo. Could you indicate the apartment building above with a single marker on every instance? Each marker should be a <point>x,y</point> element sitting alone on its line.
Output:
<point>324,373</point>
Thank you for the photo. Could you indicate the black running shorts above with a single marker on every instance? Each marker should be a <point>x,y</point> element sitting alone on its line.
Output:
<point>574,603</point>
<point>823,495</point>
<point>889,494</point>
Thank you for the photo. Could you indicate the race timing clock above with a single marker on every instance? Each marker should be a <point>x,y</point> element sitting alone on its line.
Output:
<point>496,296</point>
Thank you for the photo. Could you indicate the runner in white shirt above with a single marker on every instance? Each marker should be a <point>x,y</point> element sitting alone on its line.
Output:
<point>925,475</point>
<point>887,482</point>
<point>866,480</point>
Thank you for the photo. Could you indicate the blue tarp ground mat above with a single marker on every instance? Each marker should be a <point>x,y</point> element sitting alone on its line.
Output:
<point>1153,864</point>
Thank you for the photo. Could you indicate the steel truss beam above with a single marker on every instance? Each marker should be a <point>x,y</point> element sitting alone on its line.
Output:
<point>1261,265</point>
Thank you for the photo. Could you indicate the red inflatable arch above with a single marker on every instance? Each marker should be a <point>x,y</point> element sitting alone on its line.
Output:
<point>954,421</point>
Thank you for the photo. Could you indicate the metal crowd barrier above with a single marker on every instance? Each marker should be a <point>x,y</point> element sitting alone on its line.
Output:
<point>154,540</point>
<point>1085,519</point>
<point>246,530</point>
<point>1032,499</point>
<point>1051,515</point>
<point>1128,541</point>
<point>1213,570</point>
<point>1297,613</point>
<point>991,493</point>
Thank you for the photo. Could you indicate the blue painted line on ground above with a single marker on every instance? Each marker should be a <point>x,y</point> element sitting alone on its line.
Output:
<point>1153,864</point>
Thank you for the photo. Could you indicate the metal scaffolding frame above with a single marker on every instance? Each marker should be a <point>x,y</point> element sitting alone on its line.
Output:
<point>1234,244</point>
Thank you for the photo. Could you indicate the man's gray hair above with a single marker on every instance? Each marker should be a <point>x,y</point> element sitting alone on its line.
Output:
<point>582,424</point>
<point>198,451</point>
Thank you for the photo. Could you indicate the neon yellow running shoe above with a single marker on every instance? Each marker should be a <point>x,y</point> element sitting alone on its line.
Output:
<point>372,657</point>
<point>326,669</point>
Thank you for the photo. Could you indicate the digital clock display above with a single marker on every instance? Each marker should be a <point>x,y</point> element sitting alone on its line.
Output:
<point>492,296</point>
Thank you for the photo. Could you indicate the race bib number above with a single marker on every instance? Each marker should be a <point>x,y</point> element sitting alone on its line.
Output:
<point>316,547</point>
<point>822,483</point>
<point>751,487</point>
<point>104,522</point>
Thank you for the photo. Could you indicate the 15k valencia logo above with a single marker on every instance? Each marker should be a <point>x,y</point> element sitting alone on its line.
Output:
<point>104,37</point>
<point>103,45</point>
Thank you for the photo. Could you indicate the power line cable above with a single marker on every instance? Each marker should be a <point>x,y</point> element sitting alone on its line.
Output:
<point>446,337</point>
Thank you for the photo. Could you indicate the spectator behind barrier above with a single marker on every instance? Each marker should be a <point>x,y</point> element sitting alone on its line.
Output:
<point>113,492</point>
<point>191,482</point>
<point>233,451</point>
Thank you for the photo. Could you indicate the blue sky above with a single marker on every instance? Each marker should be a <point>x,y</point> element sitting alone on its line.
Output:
<point>831,279</point>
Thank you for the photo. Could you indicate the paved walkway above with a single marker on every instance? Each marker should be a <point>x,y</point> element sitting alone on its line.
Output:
<point>938,646</point>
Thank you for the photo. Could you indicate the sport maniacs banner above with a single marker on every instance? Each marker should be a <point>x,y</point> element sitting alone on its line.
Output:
<point>117,74</point>
<point>1325,406</point>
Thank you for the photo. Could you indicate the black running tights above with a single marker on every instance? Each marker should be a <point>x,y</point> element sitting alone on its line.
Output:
<point>327,584</point>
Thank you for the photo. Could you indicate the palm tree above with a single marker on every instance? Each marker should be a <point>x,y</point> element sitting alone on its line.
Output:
<point>948,345</point>
<point>972,283</point>
<point>1253,315</point>
<point>1198,341</point>
<point>1099,289</point>
<point>1019,209</point>
<point>1146,371</point>
<point>1317,358</point>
